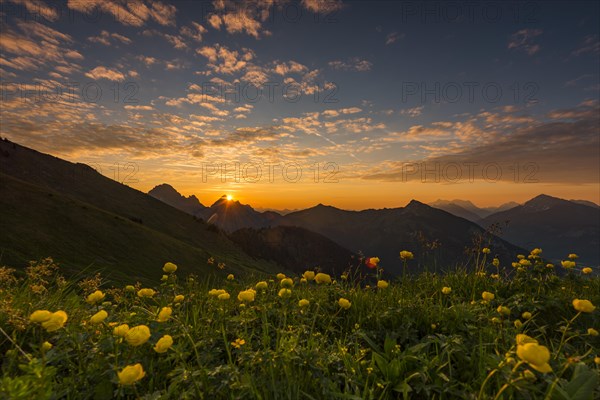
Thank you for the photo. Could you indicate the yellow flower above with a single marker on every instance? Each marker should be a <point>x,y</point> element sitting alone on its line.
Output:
<point>179,298</point>
<point>496,320</point>
<point>587,270</point>
<point>487,296</point>
<point>238,343</point>
<point>573,256</point>
<point>138,335</point>
<point>164,314</point>
<point>496,262</point>
<point>281,276</point>
<point>95,297</point>
<point>131,374</point>
<point>46,346</point>
<point>230,277</point>
<point>146,293</point>
<point>344,303</point>
<point>246,295</point>
<point>549,265</point>
<point>56,321</point>
<point>535,355</point>
<point>99,317</point>
<point>568,264</point>
<point>303,303</point>
<point>518,323</point>
<point>169,268</point>
<point>303,280</point>
<point>597,360</point>
<point>520,256</point>
<point>536,252</point>
<point>262,285</point>
<point>284,293</point>
<point>504,310</point>
<point>322,278</point>
<point>163,344</point>
<point>525,263</point>
<point>216,292</point>
<point>121,330</point>
<point>406,255</point>
<point>40,316</point>
<point>526,315</point>
<point>592,332</point>
<point>382,284</point>
<point>583,305</point>
<point>309,275</point>
<point>130,288</point>
<point>224,296</point>
<point>286,282</point>
<point>485,250</point>
<point>522,339</point>
<point>446,290</point>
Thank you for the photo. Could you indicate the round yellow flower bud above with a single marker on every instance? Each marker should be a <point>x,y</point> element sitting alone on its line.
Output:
<point>40,316</point>
<point>230,277</point>
<point>592,332</point>
<point>309,275</point>
<point>406,255</point>
<point>535,355</point>
<point>131,374</point>
<point>95,297</point>
<point>587,270</point>
<point>583,306</point>
<point>303,303</point>
<point>487,296</point>
<point>46,346</point>
<point>146,293</point>
<point>163,344</point>
<point>504,310</point>
<point>56,321</point>
<point>344,303</point>
<point>169,268</point>
<point>280,276</point>
<point>322,278</point>
<point>382,284</point>
<point>179,298</point>
<point>446,290</point>
<point>246,295</point>
<point>262,285</point>
<point>286,282</point>
<point>284,293</point>
<point>98,317</point>
<point>224,296</point>
<point>121,330</point>
<point>165,314</point>
<point>138,335</point>
<point>526,315</point>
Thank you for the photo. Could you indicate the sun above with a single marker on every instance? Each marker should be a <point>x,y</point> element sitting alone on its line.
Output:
<point>229,197</point>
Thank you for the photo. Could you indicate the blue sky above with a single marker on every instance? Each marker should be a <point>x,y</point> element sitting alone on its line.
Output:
<point>402,86</point>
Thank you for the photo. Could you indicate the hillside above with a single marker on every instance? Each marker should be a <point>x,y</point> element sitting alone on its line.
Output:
<point>53,207</point>
<point>168,194</point>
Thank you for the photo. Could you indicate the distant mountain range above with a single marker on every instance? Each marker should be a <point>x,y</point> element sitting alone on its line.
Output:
<point>468,210</point>
<point>167,194</point>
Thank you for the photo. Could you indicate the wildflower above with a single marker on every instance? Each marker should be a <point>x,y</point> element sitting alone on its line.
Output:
<point>504,310</point>
<point>138,335</point>
<point>549,265</point>
<point>496,320</point>
<point>522,339</point>
<point>518,324</point>
<point>343,277</point>
<point>303,280</point>
<point>592,332</point>
<point>99,317</point>
<point>515,264</point>
<point>40,316</point>
<point>520,256</point>
<point>146,293</point>
<point>281,276</point>
<point>164,314</point>
<point>372,262</point>
<point>46,346</point>
<point>164,278</point>
<point>130,288</point>
<point>433,326</point>
<point>496,262</point>
<point>587,270</point>
<point>406,255</point>
<point>238,343</point>
<point>121,330</point>
<point>535,355</point>
<point>224,296</point>
<point>486,250</point>
<point>163,344</point>
<point>246,295</point>
<point>230,277</point>
<point>530,376</point>
<point>597,360</point>
<point>309,275</point>
<point>210,260</point>
<point>303,303</point>
<point>286,282</point>
<point>572,256</point>
<point>525,263</point>
<point>56,321</point>
<point>536,252</point>
<point>169,268</point>
<point>568,264</point>
<point>322,278</point>
<point>95,297</point>
<point>179,298</point>
<point>284,293</point>
<point>216,292</point>
<point>344,303</point>
<point>583,306</point>
<point>487,296</point>
<point>526,315</point>
<point>131,374</point>
<point>382,284</point>
<point>446,290</point>
<point>262,285</point>
<point>495,276</point>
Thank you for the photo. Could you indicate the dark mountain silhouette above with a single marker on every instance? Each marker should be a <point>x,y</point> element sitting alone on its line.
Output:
<point>468,210</point>
<point>294,248</point>
<point>558,226</point>
<point>586,203</point>
<point>385,232</point>
<point>231,215</point>
<point>52,207</point>
<point>167,194</point>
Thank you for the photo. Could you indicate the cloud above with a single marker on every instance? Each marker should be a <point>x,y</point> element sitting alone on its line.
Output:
<point>139,108</point>
<point>412,112</point>
<point>195,31</point>
<point>523,40</point>
<point>322,6</point>
<point>225,61</point>
<point>105,73</point>
<point>352,64</point>
<point>335,113</point>
<point>38,7</point>
<point>393,37</point>
<point>589,45</point>
<point>105,38</point>
<point>131,13</point>
<point>290,67</point>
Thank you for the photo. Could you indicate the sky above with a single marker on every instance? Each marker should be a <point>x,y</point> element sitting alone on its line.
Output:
<point>286,104</point>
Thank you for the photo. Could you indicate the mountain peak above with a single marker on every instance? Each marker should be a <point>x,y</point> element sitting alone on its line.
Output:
<point>415,203</point>
<point>544,202</point>
<point>168,194</point>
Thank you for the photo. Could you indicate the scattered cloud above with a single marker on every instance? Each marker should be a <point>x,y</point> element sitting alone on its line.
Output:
<point>352,64</point>
<point>523,40</point>
<point>101,72</point>
<point>105,38</point>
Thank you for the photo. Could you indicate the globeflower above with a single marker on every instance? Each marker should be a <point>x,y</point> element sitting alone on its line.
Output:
<point>40,316</point>
<point>503,310</point>
<point>138,335</point>
<point>487,296</point>
<point>179,298</point>
<point>486,250</point>
<point>284,293</point>
<point>322,278</point>
<point>169,268</point>
<point>164,314</point>
<point>146,293</point>
<point>262,285</point>
<point>536,252</point>
<point>163,344</point>
<point>406,255</point>
<point>230,277</point>
<point>526,315</point>
<point>568,264</point>
<point>572,256</point>
<point>238,343</point>
<point>46,346</point>
<point>95,297</point>
<point>303,303</point>
<point>536,356</point>
<point>286,282</point>
<point>446,290</point>
<point>583,306</point>
<point>592,332</point>
<point>99,317</point>
<point>587,270</point>
<point>344,303</point>
<point>121,330</point>
<point>224,296</point>
<point>280,276</point>
<point>372,262</point>
<point>56,321</point>
<point>496,262</point>
<point>131,374</point>
<point>518,324</point>
<point>525,263</point>
<point>309,275</point>
<point>216,292</point>
<point>246,295</point>
<point>130,288</point>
